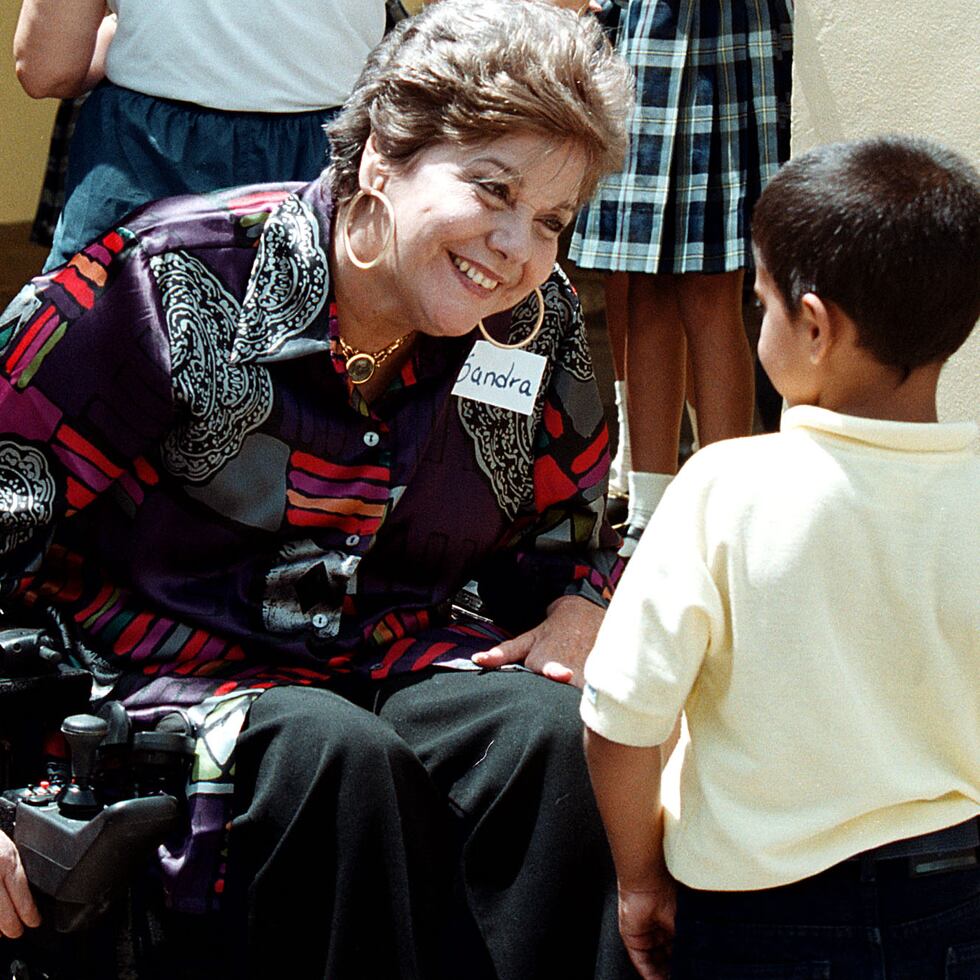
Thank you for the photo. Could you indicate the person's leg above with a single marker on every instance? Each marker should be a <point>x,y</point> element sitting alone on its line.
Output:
<point>655,371</point>
<point>616,288</point>
<point>855,921</point>
<point>506,748</point>
<point>721,361</point>
<point>655,367</point>
<point>340,856</point>
<point>796,931</point>
<point>930,922</point>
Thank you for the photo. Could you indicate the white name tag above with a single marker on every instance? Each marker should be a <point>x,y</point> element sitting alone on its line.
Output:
<point>505,378</point>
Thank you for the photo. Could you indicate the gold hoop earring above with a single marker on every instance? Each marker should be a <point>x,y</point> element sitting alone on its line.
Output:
<point>535,330</point>
<point>345,227</point>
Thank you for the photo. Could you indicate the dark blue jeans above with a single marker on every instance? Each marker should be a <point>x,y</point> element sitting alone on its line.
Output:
<point>852,922</point>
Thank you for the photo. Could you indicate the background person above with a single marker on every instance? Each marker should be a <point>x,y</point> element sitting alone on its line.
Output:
<point>194,97</point>
<point>672,228</point>
<point>808,598</point>
<point>251,492</point>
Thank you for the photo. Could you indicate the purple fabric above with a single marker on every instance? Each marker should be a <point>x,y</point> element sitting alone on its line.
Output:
<point>191,485</point>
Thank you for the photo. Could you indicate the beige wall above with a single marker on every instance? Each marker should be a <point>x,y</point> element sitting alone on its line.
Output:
<point>878,66</point>
<point>25,128</point>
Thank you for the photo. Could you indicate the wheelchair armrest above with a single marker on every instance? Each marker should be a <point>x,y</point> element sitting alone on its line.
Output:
<point>36,692</point>
<point>83,865</point>
<point>50,696</point>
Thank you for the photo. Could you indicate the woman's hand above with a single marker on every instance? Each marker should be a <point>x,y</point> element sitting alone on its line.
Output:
<point>17,908</point>
<point>558,647</point>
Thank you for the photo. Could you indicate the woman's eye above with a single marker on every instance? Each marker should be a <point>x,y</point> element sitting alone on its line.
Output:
<point>495,189</point>
<point>551,226</point>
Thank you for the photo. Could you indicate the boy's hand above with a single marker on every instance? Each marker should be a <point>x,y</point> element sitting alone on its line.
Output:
<point>646,923</point>
<point>17,908</point>
<point>626,780</point>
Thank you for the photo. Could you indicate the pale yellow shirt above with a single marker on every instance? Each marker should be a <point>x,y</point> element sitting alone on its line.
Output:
<point>810,599</point>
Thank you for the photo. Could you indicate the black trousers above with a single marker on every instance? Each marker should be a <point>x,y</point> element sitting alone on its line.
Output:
<point>441,827</point>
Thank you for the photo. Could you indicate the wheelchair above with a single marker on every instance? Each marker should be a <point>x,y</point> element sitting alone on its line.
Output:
<point>87,799</point>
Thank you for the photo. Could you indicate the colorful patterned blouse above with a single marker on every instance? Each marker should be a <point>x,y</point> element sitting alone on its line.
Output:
<point>189,478</point>
<point>192,490</point>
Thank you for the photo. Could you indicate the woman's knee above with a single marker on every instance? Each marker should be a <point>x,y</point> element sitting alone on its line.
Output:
<point>300,732</point>
<point>500,733</point>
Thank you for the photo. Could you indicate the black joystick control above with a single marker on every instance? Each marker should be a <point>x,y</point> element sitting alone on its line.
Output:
<point>83,733</point>
<point>79,852</point>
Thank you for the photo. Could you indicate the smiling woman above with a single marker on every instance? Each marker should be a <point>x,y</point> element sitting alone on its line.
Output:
<point>477,231</point>
<point>478,142</point>
<point>243,411</point>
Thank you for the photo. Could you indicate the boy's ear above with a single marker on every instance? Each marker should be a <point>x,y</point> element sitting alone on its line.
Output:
<point>373,168</point>
<point>821,321</point>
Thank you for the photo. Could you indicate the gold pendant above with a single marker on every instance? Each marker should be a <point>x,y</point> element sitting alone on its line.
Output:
<point>360,368</point>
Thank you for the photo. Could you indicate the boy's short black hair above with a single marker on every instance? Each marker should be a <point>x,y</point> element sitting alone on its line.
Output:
<point>888,229</point>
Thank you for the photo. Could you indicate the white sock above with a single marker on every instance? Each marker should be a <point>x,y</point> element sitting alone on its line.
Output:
<point>646,489</point>
<point>692,417</point>
<point>621,461</point>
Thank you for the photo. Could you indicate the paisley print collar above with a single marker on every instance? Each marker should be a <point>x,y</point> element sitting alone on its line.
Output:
<point>284,311</point>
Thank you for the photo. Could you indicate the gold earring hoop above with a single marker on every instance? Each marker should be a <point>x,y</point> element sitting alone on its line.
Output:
<point>535,330</point>
<point>345,227</point>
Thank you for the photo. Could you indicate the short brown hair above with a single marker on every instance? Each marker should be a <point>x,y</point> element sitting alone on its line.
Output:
<point>465,71</point>
<point>888,228</point>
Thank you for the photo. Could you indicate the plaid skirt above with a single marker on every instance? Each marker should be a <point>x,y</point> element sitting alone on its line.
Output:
<point>711,126</point>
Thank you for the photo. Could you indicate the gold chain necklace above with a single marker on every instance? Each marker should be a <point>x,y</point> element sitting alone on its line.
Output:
<point>360,364</point>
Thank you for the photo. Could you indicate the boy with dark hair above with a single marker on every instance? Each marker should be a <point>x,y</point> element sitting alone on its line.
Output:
<point>887,230</point>
<point>809,600</point>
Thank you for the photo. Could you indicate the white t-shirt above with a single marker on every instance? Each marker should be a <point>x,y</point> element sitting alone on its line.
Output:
<point>246,55</point>
<point>811,599</point>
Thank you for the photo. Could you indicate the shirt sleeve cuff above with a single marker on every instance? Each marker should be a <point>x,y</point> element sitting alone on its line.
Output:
<point>619,723</point>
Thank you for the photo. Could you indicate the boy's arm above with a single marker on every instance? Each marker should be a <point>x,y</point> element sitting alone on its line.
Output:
<point>626,780</point>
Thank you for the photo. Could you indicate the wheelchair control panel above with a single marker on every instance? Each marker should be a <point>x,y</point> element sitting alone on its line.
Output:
<point>87,822</point>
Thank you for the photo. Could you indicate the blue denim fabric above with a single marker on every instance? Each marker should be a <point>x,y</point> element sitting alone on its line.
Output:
<point>129,148</point>
<point>852,922</point>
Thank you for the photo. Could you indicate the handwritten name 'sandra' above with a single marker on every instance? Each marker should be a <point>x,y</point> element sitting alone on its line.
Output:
<point>497,379</point>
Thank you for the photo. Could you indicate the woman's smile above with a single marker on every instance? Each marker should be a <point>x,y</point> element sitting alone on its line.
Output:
<point>476,230</point>
<point>474,275</point>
